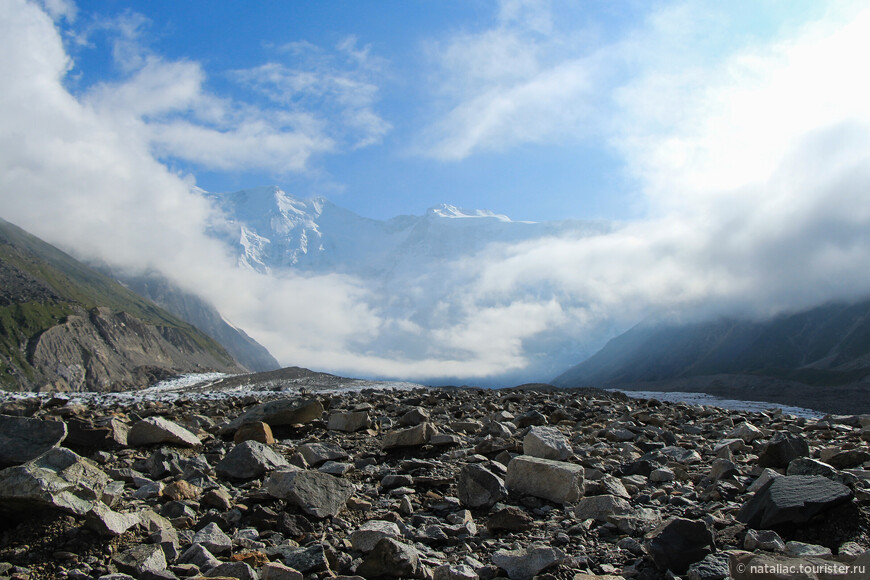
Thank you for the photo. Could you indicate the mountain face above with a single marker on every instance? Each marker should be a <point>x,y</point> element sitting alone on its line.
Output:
<point>272,230</point>
<point>827,346</point>
<point>66,327</point>
<point>205,317</point>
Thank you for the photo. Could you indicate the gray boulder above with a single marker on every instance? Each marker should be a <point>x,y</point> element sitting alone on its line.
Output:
<point>411,437</point>
<point>279,412</point>
<point>782,449</point>
<point>525,563</point>
<point>557,481</point>
<point>23,439</point>
<point>318,453</point>
<point>479,487</point>
<point>350,421</point>
<point>213,539</point>
<point>317,494</point>
<point>239,570</point>
<point>157,430</point>
<point>394,559</point>
<point>371,532</point>
<point>601,507</point>
<point>792,499</point>
<point>141,559</point>
<point>547,443</point>
<point>249,460</point>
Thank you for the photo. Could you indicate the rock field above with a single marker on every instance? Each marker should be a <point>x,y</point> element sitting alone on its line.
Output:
<point>442,484</point>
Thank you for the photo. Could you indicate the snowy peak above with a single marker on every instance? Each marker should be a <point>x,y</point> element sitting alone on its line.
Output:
<point>445,210</point>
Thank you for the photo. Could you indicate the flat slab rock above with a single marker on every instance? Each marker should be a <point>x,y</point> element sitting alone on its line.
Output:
<point>792,499</point>
<point>318,494</point>
<point>156,430</point>
<point>557,481</point>
<point>23,439</point>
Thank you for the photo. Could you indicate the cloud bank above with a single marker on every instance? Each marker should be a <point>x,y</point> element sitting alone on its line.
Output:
<point>754,163</point>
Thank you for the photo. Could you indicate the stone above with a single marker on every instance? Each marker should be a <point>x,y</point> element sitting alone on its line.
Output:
<point>455,572</point>
<point>306,560</point>
<point>479,487</point>
<point>745,431</point>
<point>601,507</point>
<point>141,559</point>
<point>510,519</point>
<point>349,422</point>
<point>158,430</point>
<point>678,543</point>
<point>317,494</point>
<point>526,563</point>
<point>411,437</point>
<point>712,567</point>
<point>218,498</point>
<point>547,443</point>
<point>276,571</point>
<point>212,538</point>
<point>392,558</point>
<point>278,413</point>
<point>199,556</point>
<point>802,550</point>
<point>792,499</point>
<point>782,449</point>
<point>556,481</point>
<point>766,475</point>
<point>763,540</point>
<point>318,453</point>
<point>239,570</point>
<point>179,490</point>
<point>23,439</point>
<point>255,431</point>
<point>809,466</point>
<point>414,417</point>
<point>371,532</point>
<point>849,458</point>
<point>102,519</point>
<point>111,434</point>
<point>249,460</point>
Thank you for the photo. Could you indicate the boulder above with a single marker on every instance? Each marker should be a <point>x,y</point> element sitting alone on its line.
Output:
<point>306,560</point>
<point>678,543</point>
<point>279,412</point>
<point>782,449</point>
<point>318,453</point>
<point>511,519</point>
<point>317,494</point>
<point>745,431</point>
<point>455,572</point>
<point>371,532</point>
<point>411,437</point>
<point>256,431</point>
<point>238,570</point>
<point>547,443</point>
<point>601,507</point>
<point>141,559</point>
<point>479,487</point>
<point>157,430</point>
<point>23,439</point>
<point>276,571</point>
<point>249,460</point>
<point>792,499</point>
<point>199,556</point>
<point>350,421</point>
<point>213,539</point>
<point>556,481</point>
<point>392,558</point>
<point>525,563</point>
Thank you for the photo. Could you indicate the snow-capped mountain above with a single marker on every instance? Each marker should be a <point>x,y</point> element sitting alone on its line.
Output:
<point>272,231</point>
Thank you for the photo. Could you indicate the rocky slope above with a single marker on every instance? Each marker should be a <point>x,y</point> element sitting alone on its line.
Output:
<point>63,326</point>
<point>818,358</point>
<point>428,483</point>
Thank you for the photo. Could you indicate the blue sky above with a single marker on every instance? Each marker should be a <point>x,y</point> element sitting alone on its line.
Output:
<point>424,73</point>
<point>731,141</point>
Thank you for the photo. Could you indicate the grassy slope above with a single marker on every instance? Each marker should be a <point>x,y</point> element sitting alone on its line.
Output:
<point>78,286</point>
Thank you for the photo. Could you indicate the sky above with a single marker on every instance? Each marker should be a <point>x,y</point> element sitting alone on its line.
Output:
<point>729,141</point>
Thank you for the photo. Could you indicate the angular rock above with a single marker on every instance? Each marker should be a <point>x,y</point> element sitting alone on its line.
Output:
<point>414,417</point>
<point>371,532</point>
<point>179,490</point>
<point>802,550</point>
<point>546,443</point>
<point>411,437</point>
<point>511,519</point>
<point>601,507</point>
<point>849,458</point>
<point>557,481</point>
<point>455,572</point>
<point>256,431</point>
<point>157,430</point>
<point>249,460</point>
<point>350,421</point>
<point>279,412</point>
<point>713,567</point>
<point>199,556</point>
<point>745,431</point>
<point>764,540</point>
<point>213,539</point>
<point>239,570</point>
<point>782,449</point>
<point>479,487</point>
<point>317,494</point>
<point>809,466</point>
<point>141,559</point>
<point>678,543</point>
<point>525,563</point>
<point>23,439</point>
<point>318,453</point>
<point>306,560</point>
<point>276,571</point>
<point>763,479</point>
<point>394,559</point>
<point>792,499</point>
<point>109,434</point>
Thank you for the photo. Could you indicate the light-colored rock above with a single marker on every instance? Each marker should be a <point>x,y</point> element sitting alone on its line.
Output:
<point>371,532</point>
<point>526,563</point>
<point>317,494</point>
<point>411,437</point>
<point>141,559</point>
<point>158,430</point>
<point>557,481</point>
<point>601,507</point>
<point>349,421</point>
<point>321,452</point>
<point>455,572</point>
<point>546,443</point>
<point>762,479</point>
<point>277,571</point>
<point>249,460</point>
<point>746,432</point>
<point>212,538</point>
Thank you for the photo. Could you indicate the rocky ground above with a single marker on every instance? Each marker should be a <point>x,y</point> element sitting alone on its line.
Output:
<point>429,483</point>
